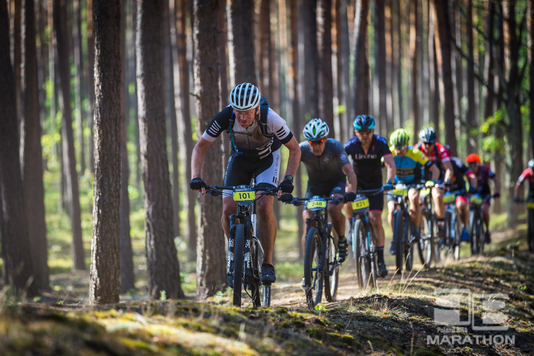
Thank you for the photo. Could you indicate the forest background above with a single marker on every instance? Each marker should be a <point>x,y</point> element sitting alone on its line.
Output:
<point>101,103</point>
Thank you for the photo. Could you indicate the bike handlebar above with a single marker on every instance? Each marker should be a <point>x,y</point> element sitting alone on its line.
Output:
<point>301,201</point>
<point>217,190</point>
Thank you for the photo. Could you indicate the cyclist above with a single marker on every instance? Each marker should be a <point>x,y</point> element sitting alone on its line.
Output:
<point>256,134</point>
<point>367,150</point>
<point>527,175</point>
<point>409,162</point>
<point>436,153</point>
<point>328,167</point>
<point>458,183</point>
<point>479,176</point>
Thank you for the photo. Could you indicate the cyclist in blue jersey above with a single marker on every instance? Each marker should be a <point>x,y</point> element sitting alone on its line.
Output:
<point>409,162</point>
<point>328,170</point>
<point>256,135</point>
<point>367,150</point>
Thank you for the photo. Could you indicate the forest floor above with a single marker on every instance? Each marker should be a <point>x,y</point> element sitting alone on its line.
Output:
<point>401,316</point>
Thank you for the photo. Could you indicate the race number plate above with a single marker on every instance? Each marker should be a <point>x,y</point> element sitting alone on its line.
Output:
<point>316,203</point>
<point>244,194</point>
<point>361,203</point>
<point>530,205</point>
<point>476,199</point>
<point>400,192</point>
<point>448,198</point>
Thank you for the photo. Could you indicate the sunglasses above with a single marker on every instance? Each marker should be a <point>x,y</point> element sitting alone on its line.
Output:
<point>472,164</point>
<point>319,142</point>
<point>364,132</point>
<point>428,143</point>
<point>400,148</point>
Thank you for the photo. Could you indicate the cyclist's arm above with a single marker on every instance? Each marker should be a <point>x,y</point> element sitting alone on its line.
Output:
<point>448,170</point>
<point>294,156</point>
<point>390,164</point>
<point>516,188</point>
<point>197,158</point>
<point>472,180</point>
<point>351,177</point>
<point>435,172</point>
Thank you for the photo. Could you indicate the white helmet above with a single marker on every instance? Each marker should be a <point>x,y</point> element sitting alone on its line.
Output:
<point>245,97</point>
<point>316,129</point>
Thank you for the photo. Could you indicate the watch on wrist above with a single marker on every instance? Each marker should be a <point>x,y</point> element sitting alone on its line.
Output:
<point>289,177</point>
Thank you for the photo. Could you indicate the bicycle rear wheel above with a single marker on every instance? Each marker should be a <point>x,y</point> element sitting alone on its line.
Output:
<point>239,258</point>
<point>363,263</point>
<point>408,246</point>
<point>398,234</point>
<point>331,275</point>
<point>261,294</point>
<point>457,226</point>
<point>424,245</point>
<point>473,218</point>
<point>313,275</point>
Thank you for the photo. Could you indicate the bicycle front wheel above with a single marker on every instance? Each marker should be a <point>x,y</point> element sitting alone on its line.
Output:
<point>313,275</point>
<point>424,245</point>
<point>398,233</point>
<point>331,273</point>
<point>239,259</point>
<point>363,262</point>
<point>473,218</point>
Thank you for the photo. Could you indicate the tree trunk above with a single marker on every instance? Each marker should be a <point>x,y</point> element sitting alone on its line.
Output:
<point>380,52</point>
<point>343,85</point>
<point>242,12</point>
<point>68,137</point>
<point>125,241</point>
<point>17,51</point>
<point>531,81</point>
<point>186,142</point>
<point>211,254</point>
<point>471,109</point>
<point>459,78</point>
<point>90,81</point>
<point>361,63</point>
<point>78,81</point>
<point>18,267</point>
<point>32,159</point>
<point>223,72</point>
<point>162,261</point>
<point>104,287</point>
<point>414,50</point>
<point>311,65</point>
<point>397,64</point>
<point>324,50</point>
<point>444,56</point>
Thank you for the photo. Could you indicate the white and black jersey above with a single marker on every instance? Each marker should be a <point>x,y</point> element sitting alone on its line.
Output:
<point>251,149</point>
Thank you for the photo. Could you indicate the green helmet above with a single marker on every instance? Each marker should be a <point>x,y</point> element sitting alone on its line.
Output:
<point>399,139</point>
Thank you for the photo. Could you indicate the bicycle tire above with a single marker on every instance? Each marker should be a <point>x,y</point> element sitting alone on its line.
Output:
<point>408,246</point>
<point>239,259</point>
<point>261,294</point>
<point>355,252</point>
<point>472,232</point>
<point>481,233</point>
<point>374,262</point>
<point>457,236</point>
<point>424,245</point>
<point>362,255</point>
<point>530,231</point>
<point>448,242</point>
<point>398,236</point>
<point>331,275</point>
<point>313,281</point>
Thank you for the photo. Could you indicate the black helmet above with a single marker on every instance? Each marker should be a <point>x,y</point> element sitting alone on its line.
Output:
<point>531,164</point>
<point>363,122</point>
<point>427,135</point>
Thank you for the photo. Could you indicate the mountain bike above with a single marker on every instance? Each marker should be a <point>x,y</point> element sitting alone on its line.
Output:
<point>530,222</point>
<point>320,253</point>
<point>245,252</point>
<point>477,230</point>
<point>403,234</point>
<point>362,238</point>
<point>453,225</point>
<point>427,242</point>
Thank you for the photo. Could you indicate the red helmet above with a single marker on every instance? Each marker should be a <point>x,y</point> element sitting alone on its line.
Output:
<point>473,158</point>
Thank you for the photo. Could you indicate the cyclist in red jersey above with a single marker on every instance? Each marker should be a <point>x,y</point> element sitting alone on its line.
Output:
<point>479,176</point>
<point>437,153</point>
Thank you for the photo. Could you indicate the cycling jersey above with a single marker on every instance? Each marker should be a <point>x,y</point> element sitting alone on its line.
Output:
<point>251,150</point>
<point>482,178</point>
<point>438,156</point>
<point>409,167</point>
<point>528,176</point>
<point>367,165</point>
<point>324,171</point>
<point>459,171</point>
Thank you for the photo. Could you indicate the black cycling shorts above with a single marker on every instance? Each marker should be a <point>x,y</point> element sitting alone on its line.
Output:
<point>376,201</point>
<point>325,190</point>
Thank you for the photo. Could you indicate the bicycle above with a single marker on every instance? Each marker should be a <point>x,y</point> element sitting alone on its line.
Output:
<point>403,235</point>
<point>245,252</point>
<point>320,252</point>
<point>426,244</point>
<point>362,238</point>
<point>477,230</point>
<point>530,222</point>
<point>453,225</point>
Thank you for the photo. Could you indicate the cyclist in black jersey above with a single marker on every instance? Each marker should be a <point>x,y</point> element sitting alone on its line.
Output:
<point>256,134</point>
<point>367,150</point>
<point>328,167</point>
<point>459,170</point>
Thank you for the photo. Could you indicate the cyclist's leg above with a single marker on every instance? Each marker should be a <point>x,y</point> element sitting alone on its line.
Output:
<point>415,208</point>
<point>336,215</point>
<point>237,172</point>
<point>439,206</point>
<point>485,213</point>
<point>463,209</point>
<point>229,208</point>
<point>391,208</point>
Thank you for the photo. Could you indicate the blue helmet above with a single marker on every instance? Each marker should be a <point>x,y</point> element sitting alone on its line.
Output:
<point>363,122</point>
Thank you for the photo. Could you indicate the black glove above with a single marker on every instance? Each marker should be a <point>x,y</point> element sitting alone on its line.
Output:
<point>447,184</point>
<point>197,184</point>
<point>349,196</point>
<point>497,195</point>
<point>285,198</point>
<point>286,186</point>
<point>516,199</point>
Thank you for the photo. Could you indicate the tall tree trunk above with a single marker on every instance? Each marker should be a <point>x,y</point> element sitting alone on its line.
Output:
<point>297,120</point>
<point>311,83</point>
<point>324,48</point>
<point>32,158</point>
<point>471,106</point>
<point>414,50</point>
<point>104,287</point>
<point>459,78</point>
<point>186,143</point>
<point>444,56</point>
<point>162,260</point>
<point>223,72</point>
<point>436,97</point>
<point>78,81</point>
<point>125,241</point>
<point>397,55</point>
<point>17,49</point>
<point>18,266</point>
<point>380,43</point>
<point>343,85</point>
<point>69,159</point>
<point>243,34</point>
<point>90,81</point>
<point>361,63</point>
<point>210,251</point>
<point>531,79</point>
